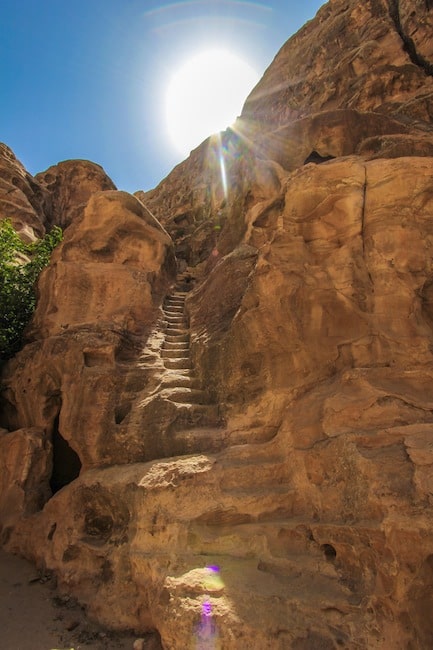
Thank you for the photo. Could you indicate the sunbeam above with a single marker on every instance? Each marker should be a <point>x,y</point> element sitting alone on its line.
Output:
<point>205,96</point>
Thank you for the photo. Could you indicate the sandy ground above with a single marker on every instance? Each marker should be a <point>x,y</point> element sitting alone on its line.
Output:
<point>33,616</point>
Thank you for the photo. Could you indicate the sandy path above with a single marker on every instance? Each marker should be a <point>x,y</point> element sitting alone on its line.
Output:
<point>34,617</point>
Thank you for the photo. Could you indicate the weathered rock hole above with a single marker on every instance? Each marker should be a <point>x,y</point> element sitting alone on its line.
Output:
<point>5,534</point>
<point>426,295</point>
<point>94,358</point>
<point>51,532</point>
<point>66,462</point>
<point>98,525</point>
<point>99,528</point>
<point>8,414</point>
<point>104,517</point>
<point>316,158</point>
<point>329,552</point>
<point>121,411</point>
<point>106,252</point>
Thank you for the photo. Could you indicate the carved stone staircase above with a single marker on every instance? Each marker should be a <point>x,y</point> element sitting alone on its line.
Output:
<point>198,426</point>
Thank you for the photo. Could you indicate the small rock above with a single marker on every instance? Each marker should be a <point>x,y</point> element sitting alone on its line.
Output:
<point>138,644</point>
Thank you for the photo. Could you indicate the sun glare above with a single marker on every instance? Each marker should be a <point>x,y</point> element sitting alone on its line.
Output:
<point>205,95</point>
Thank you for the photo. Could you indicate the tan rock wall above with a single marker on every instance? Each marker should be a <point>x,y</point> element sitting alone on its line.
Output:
<point>106,270</point>
<point>99,299</point>
<point>351,56</point>
<point>69,185</point>
<point>342,280</point>
<point>25,463</point>
<point>22,199</point>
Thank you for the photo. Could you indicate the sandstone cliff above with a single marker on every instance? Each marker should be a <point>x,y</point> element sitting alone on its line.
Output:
<point>242,455</point>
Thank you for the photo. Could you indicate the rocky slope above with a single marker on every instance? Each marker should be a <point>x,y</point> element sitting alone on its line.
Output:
<point>241,456</point>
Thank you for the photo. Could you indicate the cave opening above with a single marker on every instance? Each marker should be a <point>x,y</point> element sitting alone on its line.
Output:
<point>329,552</point>
<point>316,158</point>
<point>66,462</point>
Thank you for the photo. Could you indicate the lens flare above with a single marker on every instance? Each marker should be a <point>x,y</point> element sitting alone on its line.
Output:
<point>206,635</point>
<point>205,95</point>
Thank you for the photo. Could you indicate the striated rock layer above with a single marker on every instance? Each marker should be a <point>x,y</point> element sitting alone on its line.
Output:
<point>241,456</point>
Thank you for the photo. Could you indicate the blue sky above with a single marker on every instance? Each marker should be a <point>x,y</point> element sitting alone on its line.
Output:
<point>86,79</point>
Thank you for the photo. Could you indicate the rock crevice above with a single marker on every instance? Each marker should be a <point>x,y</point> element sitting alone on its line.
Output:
<point>408,43</point>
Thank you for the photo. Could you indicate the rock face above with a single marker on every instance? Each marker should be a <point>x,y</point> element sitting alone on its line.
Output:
<point>376,56</point>
<point>22,199</point>
<point>98,300</point>
<point>241,457</point>
<point>69,185</point>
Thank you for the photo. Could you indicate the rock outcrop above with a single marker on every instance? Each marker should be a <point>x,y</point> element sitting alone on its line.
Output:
<point>372,57</point>
<point>22,198</point>
<point>98,300</point>
<point>69,185</point>
<point>241,456</point>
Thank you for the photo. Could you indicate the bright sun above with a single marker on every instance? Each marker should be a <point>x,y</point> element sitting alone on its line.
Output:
<point>205,96</point>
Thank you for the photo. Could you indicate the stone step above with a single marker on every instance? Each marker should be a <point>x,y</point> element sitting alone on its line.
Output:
<point>176,345</point>
<point>197,415</point>
<point>185,395</point>
<point>179,327</point>
<point>269,474</point>
<point>175,354</point>
<point>175,330</point>
<point>177,303</point>
<point>177,336</point>
<point>174,297</point>
<point>170,311</point>
<point>260,491</point>
<point>199,440</point>
<point>175,321</point>
<point>175,318</point>
<point>179,379</point>
<point>174,306</point>
<point>184,363</point>
<point>281,547</point>
<point>266,503</point>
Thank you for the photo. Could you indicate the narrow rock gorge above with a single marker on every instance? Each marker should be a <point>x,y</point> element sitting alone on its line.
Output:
<point>220,426</point>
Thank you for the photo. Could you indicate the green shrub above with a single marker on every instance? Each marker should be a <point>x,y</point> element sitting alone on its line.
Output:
<point>20,266</point>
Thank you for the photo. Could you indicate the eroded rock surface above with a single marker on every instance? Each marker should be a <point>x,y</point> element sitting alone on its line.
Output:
<point>250,445</point>
<point>69,185</point>
<point>99,299</point>
<point>22,198</point>
<point>371,56</point>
